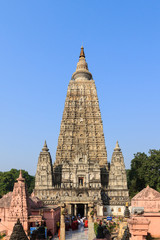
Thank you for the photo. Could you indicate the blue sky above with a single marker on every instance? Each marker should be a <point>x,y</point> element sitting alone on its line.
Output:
<point>39,48</point>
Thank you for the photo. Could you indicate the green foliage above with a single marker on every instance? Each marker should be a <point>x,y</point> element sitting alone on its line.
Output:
<point>2,236</point>
<point>7,180</point>
<point>96,228</point>
<point>149,237</point>
<point>145,170</point>
<point>92,213</point>
<point>111,225</point>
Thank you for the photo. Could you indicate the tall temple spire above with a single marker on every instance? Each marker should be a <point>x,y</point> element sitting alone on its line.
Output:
<point>81,127</point>
<point>82,72</point>
<point>80,172</point>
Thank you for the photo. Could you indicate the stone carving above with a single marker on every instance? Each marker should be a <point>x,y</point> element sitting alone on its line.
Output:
<point>148,198</point>
<point>19,206</point>
<point>44,174</point>
<point>117,186</point>
<point>80,171</point>
<point>145,217</point>
<point>137,210</point>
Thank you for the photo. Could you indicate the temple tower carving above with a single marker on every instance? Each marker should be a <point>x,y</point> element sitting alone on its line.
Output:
<point>79,175</point>
<point>44,174</point>
<point>19,206</point>
<point>81,126</point>
<point>117,186</point>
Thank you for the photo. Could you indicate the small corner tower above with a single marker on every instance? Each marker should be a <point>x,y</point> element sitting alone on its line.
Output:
<point>44,173</point>
<point>19,207</point>
<point>117,187</point>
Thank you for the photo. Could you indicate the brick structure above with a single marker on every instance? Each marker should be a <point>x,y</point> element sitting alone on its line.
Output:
<point>145,217</point>
<point>28,209</point>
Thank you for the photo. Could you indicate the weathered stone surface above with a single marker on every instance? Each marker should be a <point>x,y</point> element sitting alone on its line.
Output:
<point>117,186</point>
<point>145,215</point>
<point>44,174</point>
<point>5,201</point>
<point>62,226</point>
<point>19,207</point>
<point>148,198</point>
<point>80,171</point>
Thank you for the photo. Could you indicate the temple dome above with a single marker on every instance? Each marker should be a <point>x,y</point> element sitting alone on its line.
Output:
<point>82,71</point>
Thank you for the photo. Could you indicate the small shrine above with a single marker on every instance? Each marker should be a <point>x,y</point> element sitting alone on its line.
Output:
<point>145,217</point>
<point>19,210</point>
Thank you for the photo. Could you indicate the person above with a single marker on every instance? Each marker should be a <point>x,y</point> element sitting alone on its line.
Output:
<point>59,233</point>
<point>78,220</point>
<point>58,226</point>
<point>81,225</point>
<point>73,225</point>
<point>76,224</point>
<point>100,229</point>
<point>86,223</point>
<point>107,234</point>
<point>41,231</point>
<point>67,225</point>
<point>49,234</point>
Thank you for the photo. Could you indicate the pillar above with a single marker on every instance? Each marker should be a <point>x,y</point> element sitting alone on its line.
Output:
<point>75,209</point>
<point>138,227</point>
<point>99,210</point>
<point>95,213</point>
<point>85,210</point>
<point>91,234</point>
<point>62,227</point>
<point>72,210</point>
<point>69,206</point>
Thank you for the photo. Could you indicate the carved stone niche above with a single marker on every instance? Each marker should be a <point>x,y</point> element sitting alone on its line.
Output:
<point>83,195</point>
<point>80,158</point>
<point>80,195</point>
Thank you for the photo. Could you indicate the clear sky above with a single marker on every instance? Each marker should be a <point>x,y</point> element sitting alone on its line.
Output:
<point>39,48</point>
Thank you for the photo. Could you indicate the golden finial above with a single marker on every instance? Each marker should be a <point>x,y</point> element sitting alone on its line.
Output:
<point>82,52</point>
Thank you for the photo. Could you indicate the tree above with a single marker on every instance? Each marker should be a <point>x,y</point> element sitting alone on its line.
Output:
<point>145,170</point>
<point>2,235</point>
<point>7,180</point>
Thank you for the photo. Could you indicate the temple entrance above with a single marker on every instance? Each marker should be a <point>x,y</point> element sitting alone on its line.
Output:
<point>80,210</point>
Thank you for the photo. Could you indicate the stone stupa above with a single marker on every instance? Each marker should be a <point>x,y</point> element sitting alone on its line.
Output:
<point>18,232</point>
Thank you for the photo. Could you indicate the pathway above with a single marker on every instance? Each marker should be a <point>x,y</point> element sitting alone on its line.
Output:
<point>81,234</point>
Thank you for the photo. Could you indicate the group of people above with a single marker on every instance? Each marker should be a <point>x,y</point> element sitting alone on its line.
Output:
<point>79,223</point>
<point>74,223</point>
<point>102,232</point>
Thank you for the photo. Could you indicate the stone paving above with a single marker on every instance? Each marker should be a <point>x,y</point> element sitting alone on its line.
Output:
<point>80,234</point>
